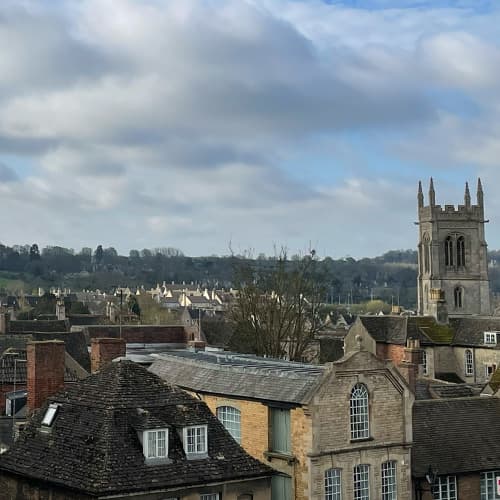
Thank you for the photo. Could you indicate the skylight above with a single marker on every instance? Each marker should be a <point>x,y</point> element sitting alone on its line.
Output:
<point>50,414</point>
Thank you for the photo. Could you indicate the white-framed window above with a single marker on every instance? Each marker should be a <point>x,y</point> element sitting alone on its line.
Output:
<point>469,363</point>
<point>490,338</point>
<point>333,484</point>
<point>445,488</point>
<point>425,366</point>
<point>361,478</point>
<point>195,439</point>
<point>210,496</point>
<point>230,418</point>
<point>155,443</point>
<point>389,481</point>
<point>360,427</point>
<point>488,485</point>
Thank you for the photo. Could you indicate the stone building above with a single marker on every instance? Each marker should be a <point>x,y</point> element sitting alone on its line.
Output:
<point>343,428</point>
<point>124,433</point>
<point>452,256</point>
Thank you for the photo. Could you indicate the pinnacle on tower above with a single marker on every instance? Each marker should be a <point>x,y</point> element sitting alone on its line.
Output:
<point>480,195</point>
<point>467,195</point>
<point>420,196</point>
<point>432,194</point>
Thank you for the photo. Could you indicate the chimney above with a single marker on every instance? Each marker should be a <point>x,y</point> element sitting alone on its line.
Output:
<point>410,366</point>
<point>45,370</point>
<point>112,312</point>
<point>104,350</point>
<point>60,310</point>
<point>438,307</point>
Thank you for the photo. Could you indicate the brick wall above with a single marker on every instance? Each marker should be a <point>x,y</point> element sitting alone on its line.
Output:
<point>141,334</point>
<point>396,353</point>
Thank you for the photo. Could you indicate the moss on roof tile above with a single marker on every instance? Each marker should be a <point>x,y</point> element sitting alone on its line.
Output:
<point>442,334</point>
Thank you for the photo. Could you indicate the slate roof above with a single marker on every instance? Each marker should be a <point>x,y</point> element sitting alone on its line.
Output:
<point>72,372</point>
<point>397,329</point>
<point>433,389</point>
<point>456,436</point>
<point>470,331</point>
<point>93,445</point>
<point>239,375</point>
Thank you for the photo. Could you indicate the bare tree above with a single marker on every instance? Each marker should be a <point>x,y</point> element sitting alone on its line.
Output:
<point>276,312</point>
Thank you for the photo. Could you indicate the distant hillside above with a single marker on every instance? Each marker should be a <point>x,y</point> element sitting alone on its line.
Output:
<point>390,277</point>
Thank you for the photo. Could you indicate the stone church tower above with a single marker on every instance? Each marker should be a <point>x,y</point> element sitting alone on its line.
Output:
<point>452,257</point>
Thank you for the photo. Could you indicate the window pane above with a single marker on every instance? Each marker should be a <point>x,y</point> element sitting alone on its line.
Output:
<point>280,430</point>
<point>231,420</point>
<point>488,485</point>
<point>333,484</point>
<point>161,443</point>
<point>361,482</point>
<point>151,444</point>
<point>445,488</point>
<point>195,440</point>
<point>389,485</point>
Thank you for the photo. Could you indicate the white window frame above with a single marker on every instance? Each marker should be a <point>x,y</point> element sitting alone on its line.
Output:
<point>154,451</point>
<point>490,338</point>
<point>333,484</point>
<point>445,488</point>
<point>361,482</point>
<point>488,485</point>
<point>230,417</point>
<point>469,363</point>
<point>199,450</point>
<point>359,406</point>
<point>389,480</point>
<point>50,414</point>
<point>210,496</point>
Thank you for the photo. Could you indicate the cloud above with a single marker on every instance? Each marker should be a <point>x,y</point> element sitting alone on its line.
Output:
<point>155,120</point>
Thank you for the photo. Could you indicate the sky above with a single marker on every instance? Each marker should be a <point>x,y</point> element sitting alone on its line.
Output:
<point>215,126</point>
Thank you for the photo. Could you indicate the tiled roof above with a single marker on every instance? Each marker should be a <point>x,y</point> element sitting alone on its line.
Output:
<point>390,329</point>
<point>456,435</point>
<point>239,375</point>
<point>93,446</point>
<point>433,389</point>
<point>470,331</point>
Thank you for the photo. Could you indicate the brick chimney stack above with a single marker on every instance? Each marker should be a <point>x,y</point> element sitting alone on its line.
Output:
<point>45,369</point>
<point>104,350</point>
<point>410,366</point>
<point>4,321</point>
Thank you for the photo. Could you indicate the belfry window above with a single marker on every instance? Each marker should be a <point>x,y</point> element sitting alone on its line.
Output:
<point>427,253</point>
<point>461,251</point>
<point>448,251</point>
<point>458,296</point>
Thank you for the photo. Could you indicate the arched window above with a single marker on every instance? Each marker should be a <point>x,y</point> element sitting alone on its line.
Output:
<point>360,428</point>
<point>389,482</point>
<point>230,418</point>
<point>461,251</point>
<point>333,484</point>
<point>361,479</point>
<point>469,363</point>
<point>458,295</point>
<point>427,253</point>
<point>448,251</point>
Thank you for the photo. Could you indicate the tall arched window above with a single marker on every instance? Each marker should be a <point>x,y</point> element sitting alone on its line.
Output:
<point>448,251</point>
<point>469,363</point>
<point>427,253</point>
<point>458,296</point>
<point>461,251</point>
<point>360,427</point>
<point>230,418</point>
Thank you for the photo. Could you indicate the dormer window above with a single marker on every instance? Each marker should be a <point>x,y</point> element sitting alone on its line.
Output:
<point>195,440</point>
<point>490,338</point>
<point>155,443</point>
<point>50,415</point>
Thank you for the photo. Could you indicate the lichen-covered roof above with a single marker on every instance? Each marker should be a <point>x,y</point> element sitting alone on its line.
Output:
<point>93,446</point>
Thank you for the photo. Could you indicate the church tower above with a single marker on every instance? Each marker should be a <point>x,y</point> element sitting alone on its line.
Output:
<point>452,256</point>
